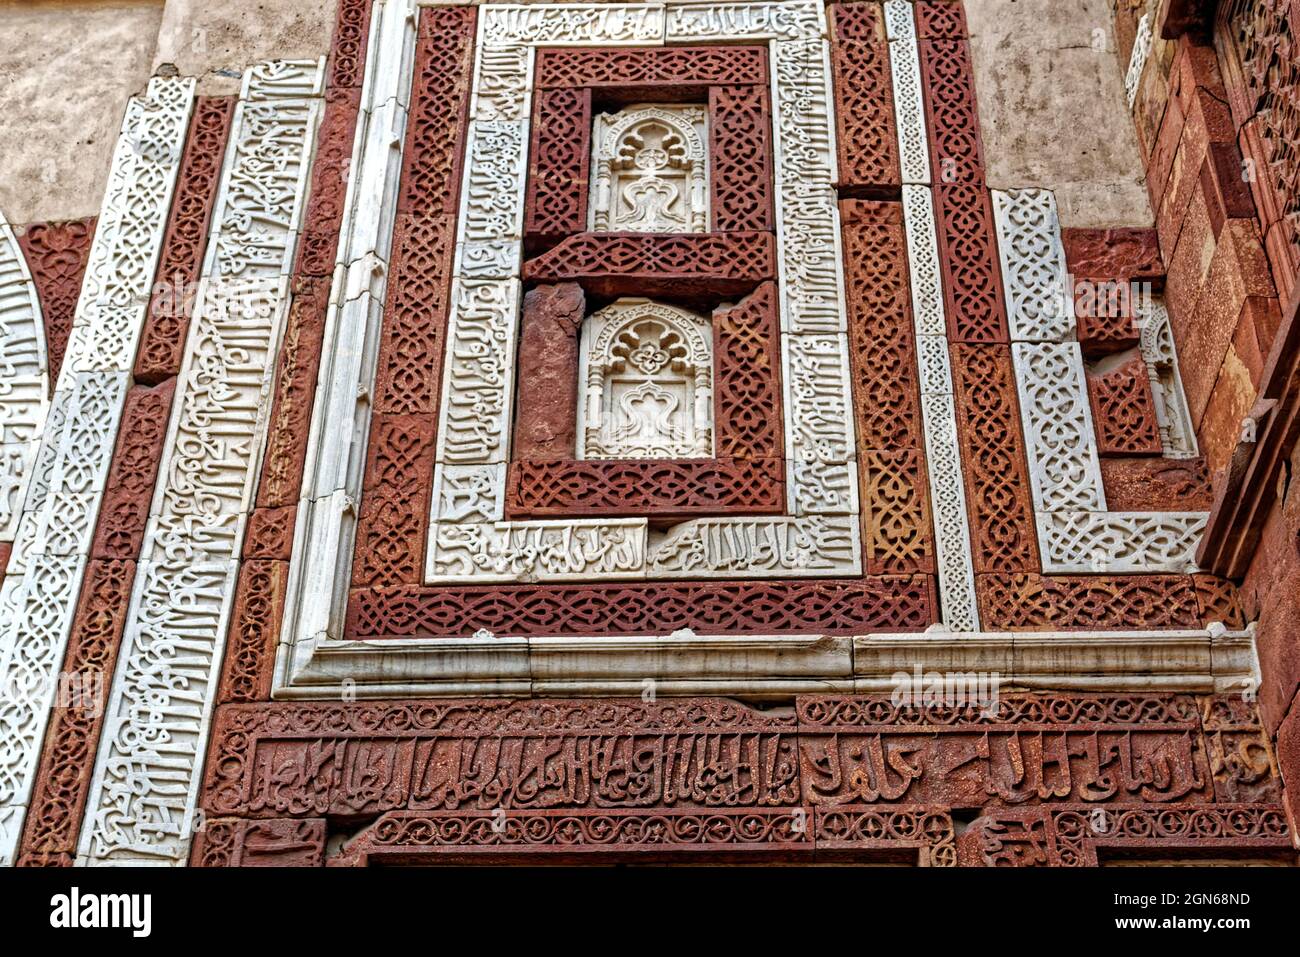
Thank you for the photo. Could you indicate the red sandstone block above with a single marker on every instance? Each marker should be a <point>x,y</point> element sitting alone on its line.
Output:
<point>318,246</point>
<point>633,74</point>
<point>269,533</point>
<point>886,396</point>
<point>1073,603</point>
<point>1124,410</point>
<point>254,631</point>
<point>1218,430</point>
<point>56,254</point>
<point>547,404</point>
<point>1161,160</point>
<point>1217,598</point>
<point>162,339</point>
<point>1122,255</point>
<point>1282,242</point>
<point>1269,205</point>
<point>1189,264</point>
<point>415,315</point>
<point>555,203</point>
<point>665,489</point>
<point>948,81</point>
<point>993,459</point>
<point>864,114</point>
<point>1253,339</point>
<point>1196,68</point>
<point>747,377</point>
<point>828,606</point>
<point>297,364</point>
<point>1207,121</point>
<point>1156,484</point>
<point>347,58</point>
<point>1237,272</point>
<point>896,531</point>
<point>440,92</point>
<point>972,278</point>
<point>942,19</point>
<point>129,487</point>
<point>670,264</point>
<point>1104,328</point>
<point>740,153</point>
<point>1288,760</point>
<point>1228,197</point>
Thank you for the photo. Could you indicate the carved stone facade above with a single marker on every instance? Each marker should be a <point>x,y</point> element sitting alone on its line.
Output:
<point>652,425</point>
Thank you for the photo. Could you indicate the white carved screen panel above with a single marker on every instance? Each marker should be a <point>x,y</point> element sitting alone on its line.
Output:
<point>646,378</point>
<point>650,170</point>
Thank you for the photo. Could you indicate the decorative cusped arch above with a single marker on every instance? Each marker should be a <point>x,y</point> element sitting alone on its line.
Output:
<point>646,373</point>
<point>650,172</point>
<point>24,379</point>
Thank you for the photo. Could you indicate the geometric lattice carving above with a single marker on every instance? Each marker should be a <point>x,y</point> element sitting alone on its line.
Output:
<point>162,341</point>
<point>993,457</point>
<point>748,376</point>
<point>740,158</point>
<point>864,110</point>
<point>56,255</point>
<point>667,489</point>
<point>650,68</point>
<point>832,606</point>
<point>1262,38</point>
<point>1027,602</point>
<point>559,163</point>
<point>956,153</point>
<point>1123,408</point>
<point>885,392</point>
<point>1039,304</point>
<point>968,256</point>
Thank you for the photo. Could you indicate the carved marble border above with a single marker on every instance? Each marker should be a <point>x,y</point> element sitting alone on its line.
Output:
<point>144,788</point>
<point>39,594</point>
<point>24,379</point>
<point>1076,532</point>
<point>956,569</point>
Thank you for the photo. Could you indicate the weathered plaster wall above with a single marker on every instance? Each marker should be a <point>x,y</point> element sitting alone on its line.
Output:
<point>1052,107</point>
<point>215,40</point>
<point>66,71</point>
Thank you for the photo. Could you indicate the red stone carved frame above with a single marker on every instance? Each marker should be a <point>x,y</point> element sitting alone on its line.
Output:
<point>388,598</point>
<point>746,477</point>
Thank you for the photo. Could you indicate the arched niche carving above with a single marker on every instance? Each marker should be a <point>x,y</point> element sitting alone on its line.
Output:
<point>650,170</point>
<point>646,383</point>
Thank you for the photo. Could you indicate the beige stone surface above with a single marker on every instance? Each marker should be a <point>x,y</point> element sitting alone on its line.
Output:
<point>215,40</point>
<point>66,71</point>
<point>1052,107</point>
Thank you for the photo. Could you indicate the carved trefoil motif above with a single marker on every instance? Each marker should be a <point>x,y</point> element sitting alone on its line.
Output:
<point>646,372</point>
<point>650,172</point>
